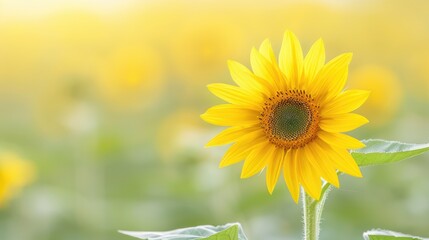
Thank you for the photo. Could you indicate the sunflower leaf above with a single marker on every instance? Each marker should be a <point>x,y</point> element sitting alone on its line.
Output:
<point>230,231</point>
<point>379,234</point>
<point>381,152</point>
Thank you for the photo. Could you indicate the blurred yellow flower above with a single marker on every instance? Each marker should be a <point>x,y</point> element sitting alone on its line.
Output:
<point>386,92</point>
<point>15,173</point>
<point>131,75</point>
<point>289,116</point>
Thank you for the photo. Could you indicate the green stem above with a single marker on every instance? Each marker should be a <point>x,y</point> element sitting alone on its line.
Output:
<point>313,213</point>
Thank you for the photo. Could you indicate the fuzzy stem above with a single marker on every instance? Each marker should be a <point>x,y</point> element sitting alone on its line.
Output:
<point>313,213</point>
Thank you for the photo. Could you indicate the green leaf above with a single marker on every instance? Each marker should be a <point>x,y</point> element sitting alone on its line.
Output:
<point>230,231</point>
<point>379,234</point>
<point>381,152</point>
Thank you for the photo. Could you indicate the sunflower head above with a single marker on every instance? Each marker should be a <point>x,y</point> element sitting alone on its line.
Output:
<point>288,116</point>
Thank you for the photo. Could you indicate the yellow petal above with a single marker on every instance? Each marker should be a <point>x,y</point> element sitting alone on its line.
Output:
<point>340,140</point>
<point>291,59</point>
<point>236,153</point>
<point>266,50</point>
<point>314,60</point>
<point>331,79</point>
<point>345,102</point>
<point>232,134</point>
<point>274,167</point>
<point>290,174</point>
<point>317,159</point>
<point>341,158</point>
<point>308,176</point>
<point>239,150</point>
<point>230,115</point>
<point>246,79</point>
<point>236,95</point>
<point>257,159</point>
<point>263,68</point>
<point>346,158</point>
<point>342,122</point>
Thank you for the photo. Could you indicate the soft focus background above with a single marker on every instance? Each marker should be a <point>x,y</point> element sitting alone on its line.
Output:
<point>100,104</point>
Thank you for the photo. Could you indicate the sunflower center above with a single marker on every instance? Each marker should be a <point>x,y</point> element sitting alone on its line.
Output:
<point>290,119</point>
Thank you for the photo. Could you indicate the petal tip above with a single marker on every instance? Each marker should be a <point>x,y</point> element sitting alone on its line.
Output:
<point>319,42</point>
<point>348,56</point>
<point>265,42</point>
<point>254,51</point>
<point>288,33</point>
<point>314,196</point>
<point>358,174</point>
<point>366,94</point>
<point>355,172</point>
<point>243,174</point>
<point>231,64</point>
<point>317,197</point>
<point>295,199</point>
<point>270,187</point>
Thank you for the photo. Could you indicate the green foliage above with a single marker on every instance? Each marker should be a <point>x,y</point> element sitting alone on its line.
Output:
<point>381,152</point>
<point>230,231</point>
<point>376,152</point>
<point>379,234</point>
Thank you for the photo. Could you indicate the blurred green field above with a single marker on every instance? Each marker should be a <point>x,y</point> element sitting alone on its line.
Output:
<point>101,101</point>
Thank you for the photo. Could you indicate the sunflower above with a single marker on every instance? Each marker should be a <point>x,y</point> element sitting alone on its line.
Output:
<point>15,173</point>
<point>288,116</point>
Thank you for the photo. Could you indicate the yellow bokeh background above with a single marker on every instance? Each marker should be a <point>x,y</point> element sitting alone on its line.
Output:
<point>100,104</point>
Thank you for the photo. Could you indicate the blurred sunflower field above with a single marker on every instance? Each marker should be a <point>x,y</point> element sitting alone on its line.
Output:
<point>100,126</point>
